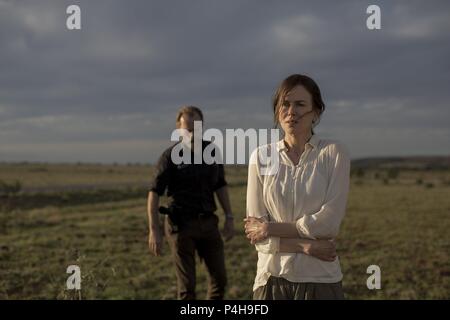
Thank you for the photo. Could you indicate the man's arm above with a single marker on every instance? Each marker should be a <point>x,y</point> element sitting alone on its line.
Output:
<point>157,189</point>
<point>155,234</point>
<point>224,200</point>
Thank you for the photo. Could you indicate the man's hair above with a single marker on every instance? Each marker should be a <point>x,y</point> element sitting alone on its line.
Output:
<point>190,110</point>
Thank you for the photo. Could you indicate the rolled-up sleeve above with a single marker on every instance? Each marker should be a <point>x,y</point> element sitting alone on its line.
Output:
<point>221,182</point>
<point>326,222</point>
<point>256,207</point>
<point>217,160</point>
<point>162,174</point>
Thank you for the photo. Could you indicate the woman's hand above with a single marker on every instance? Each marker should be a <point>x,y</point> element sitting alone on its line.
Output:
<point>321,249</point>
<point>256,229</point>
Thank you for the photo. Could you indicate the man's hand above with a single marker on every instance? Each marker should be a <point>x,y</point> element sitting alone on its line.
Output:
<point>321,249</point>
<point>155,242</point>
<point>256,229</point>
<point>228,229</point>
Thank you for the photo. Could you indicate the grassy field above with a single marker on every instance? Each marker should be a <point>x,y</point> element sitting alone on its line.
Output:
<point>95,216</point>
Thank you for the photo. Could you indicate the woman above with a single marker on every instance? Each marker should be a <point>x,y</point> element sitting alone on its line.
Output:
<point>294,214</point>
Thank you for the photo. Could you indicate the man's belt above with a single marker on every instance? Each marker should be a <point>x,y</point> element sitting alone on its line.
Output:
<point>178,214</point>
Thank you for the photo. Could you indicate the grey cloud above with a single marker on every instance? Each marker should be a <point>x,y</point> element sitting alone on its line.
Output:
<point>143,59</point>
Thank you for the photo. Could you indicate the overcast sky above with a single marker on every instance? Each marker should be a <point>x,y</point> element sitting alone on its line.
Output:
<point>110,91</point>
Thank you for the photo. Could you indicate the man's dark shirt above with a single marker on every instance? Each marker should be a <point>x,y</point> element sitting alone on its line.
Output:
<point>191,186</point>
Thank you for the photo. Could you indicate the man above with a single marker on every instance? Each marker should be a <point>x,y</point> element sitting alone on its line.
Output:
<point>191,225</point>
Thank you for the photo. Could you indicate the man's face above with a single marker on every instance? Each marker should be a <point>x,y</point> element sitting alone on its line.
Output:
<point>187,121</point>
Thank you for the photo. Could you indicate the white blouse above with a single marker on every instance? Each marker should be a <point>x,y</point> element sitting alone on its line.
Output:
<point>313,194</point>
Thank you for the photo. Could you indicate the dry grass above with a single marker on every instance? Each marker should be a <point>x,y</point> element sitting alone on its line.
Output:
<point>402,227</point>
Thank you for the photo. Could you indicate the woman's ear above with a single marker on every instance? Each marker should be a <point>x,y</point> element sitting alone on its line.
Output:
<point>316,117</point>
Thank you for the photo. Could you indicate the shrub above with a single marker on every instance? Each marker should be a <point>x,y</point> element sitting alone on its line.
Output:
<point>10,188</point>
<point>358,172</point>
<point>393,173</point>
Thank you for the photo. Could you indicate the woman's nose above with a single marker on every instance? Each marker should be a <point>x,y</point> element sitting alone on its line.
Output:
<point>291,110</point>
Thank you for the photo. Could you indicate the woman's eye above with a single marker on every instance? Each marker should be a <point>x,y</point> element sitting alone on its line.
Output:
<point>286,104</point>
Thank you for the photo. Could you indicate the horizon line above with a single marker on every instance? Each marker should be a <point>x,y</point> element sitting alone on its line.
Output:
<point>140,163</point>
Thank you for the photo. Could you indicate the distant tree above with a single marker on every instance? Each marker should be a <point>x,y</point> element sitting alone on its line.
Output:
<point>393,173</point>
<point>360,173</point>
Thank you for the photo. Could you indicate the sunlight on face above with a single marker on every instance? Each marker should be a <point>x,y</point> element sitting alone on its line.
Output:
<point>187,121</point>
<point>296,111</point>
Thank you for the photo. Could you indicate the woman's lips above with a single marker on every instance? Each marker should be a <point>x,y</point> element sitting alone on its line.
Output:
<point>291,122</point>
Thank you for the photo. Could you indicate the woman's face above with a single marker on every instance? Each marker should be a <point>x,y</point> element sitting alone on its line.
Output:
<point>296,112</point>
